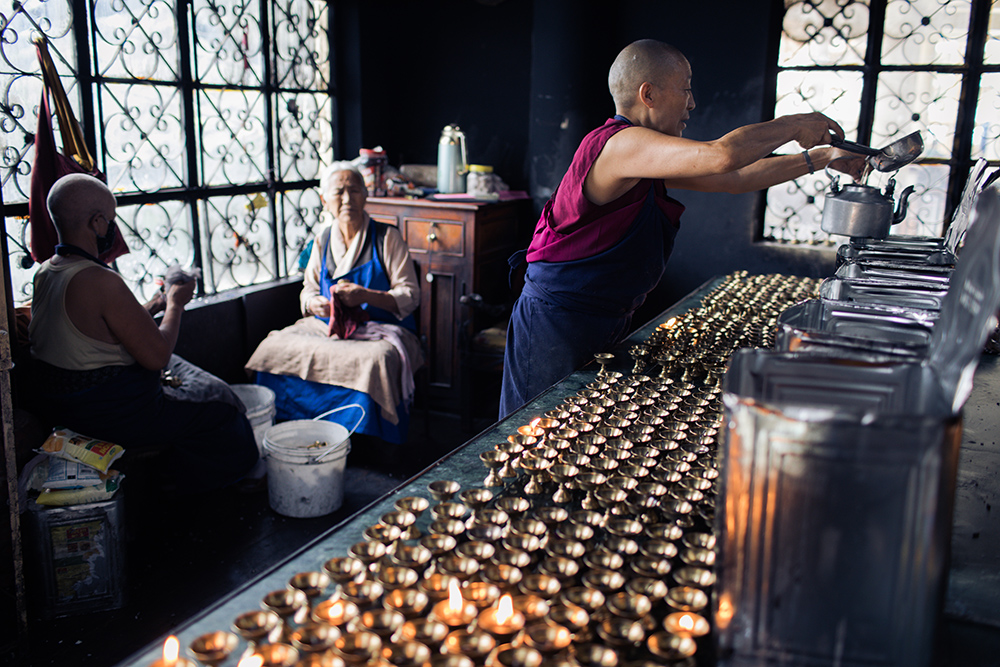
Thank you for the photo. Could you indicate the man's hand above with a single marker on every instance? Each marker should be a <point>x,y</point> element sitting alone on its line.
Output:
<point>815,129</point>
<point>180,294</point>
<point>847,162</point>
<point>157,304</point>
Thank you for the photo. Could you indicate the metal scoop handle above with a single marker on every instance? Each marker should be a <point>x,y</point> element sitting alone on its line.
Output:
<point>853,147</point>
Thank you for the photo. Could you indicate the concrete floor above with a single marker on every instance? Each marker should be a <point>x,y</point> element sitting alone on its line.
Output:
<point>184,554</point>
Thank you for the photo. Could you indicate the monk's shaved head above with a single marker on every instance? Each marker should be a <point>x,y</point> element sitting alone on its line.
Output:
<point>644,60</point>
<point>75,199</point>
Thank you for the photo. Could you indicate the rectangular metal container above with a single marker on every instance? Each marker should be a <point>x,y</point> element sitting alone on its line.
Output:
<point>862,252</point>
<point>834,514</point>
<point>932,276</point>
<point>841,328</point>
<point>78,556</point>
<point>881,293</point>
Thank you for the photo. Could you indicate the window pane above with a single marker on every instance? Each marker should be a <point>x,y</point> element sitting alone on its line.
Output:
<point>22,267</point>
<point>21,84</point>
<point>158,235</point>
<point>143,137</point>
<point>910,101</point>
<point>301,50</point>
<point>239,247</point>
<point>992,55</point>
<point>228,42</point>
<point>300,212</point>
<point>823,32</point>
<point>305,134</point>
<point>136,39</point>
<point>925,32</point>
<point>986,135</point>
<point>794,211</point>
<point>233,137</point>
<point>925,213</point>
<point>837,94</point>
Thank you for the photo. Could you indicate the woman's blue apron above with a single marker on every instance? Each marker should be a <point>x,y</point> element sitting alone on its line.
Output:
<point>304,399</point>
<point>370,274</point>
<point>568,311</point>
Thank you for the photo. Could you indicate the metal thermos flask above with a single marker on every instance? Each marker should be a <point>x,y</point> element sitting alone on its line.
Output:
<point>452,165</point>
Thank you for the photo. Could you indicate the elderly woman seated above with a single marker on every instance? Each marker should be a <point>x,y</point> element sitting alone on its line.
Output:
<point>357,343</point>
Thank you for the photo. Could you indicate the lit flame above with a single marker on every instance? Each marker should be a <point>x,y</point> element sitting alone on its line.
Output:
<point>686,622</point>
<point>455,602</point>
<point>253,660</point>
<point>171,649</point>
<point>725,611</point>
<point>505,609</point>
<point>534,422</point>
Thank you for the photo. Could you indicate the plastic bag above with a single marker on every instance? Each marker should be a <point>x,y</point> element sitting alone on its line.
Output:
<point>65,474</point>
<point>88,494</point>
<point>72,446</point>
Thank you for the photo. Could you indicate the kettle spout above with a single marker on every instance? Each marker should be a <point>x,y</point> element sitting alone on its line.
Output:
<point>901,210</point>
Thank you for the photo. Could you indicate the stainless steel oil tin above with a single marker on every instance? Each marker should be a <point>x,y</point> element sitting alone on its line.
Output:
<point>838,486</point>
<point>839,327</point>
<point>873,292</point>
<point>838,483</point>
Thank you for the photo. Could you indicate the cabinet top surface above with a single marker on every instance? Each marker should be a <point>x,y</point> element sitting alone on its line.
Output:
<point>463,204</point>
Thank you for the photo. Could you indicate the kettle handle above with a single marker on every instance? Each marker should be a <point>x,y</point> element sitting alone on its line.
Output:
<point>464,168</point>
<point>903,202</point>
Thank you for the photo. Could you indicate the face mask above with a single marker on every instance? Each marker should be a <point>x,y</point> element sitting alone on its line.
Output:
<point>105,242</point>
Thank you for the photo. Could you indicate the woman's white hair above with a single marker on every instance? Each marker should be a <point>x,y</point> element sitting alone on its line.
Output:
<point>326,175</point>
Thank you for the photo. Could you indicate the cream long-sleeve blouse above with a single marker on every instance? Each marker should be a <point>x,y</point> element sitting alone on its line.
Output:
<point>341,258</point>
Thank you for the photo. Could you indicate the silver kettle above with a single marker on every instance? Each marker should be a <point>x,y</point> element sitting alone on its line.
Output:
<point>452,164</point>
<point>862,211</point>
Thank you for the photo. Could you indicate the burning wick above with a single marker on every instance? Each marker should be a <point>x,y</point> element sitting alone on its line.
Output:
<point>502,621</point>
<point>532,428</point>
<point>455,611</point>
<point>253,660</point>
<point>686,624</point>
<point>171,655</point>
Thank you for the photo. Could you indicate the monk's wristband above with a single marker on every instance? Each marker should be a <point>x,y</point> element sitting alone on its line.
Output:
<point>809,162</point>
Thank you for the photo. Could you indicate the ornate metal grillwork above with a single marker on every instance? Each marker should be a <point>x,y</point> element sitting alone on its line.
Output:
<point>210,126</point>
<point>921,71</point>
<point>986,136</point>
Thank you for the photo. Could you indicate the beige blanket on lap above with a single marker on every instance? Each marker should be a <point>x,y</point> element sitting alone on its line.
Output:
<point>304,350</point>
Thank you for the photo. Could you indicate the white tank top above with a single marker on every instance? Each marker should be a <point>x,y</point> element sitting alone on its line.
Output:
<point>54,338</point>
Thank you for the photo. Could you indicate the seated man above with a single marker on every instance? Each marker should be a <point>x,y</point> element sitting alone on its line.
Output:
<point>360,274</point>
<point>99,354</point>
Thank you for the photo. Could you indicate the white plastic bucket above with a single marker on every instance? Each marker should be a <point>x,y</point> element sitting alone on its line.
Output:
<point>259,402</point>
<point>306,479</point>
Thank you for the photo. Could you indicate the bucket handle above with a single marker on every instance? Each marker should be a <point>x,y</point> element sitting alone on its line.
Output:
<point>330,412</point>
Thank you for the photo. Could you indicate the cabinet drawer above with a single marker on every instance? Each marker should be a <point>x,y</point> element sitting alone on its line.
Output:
<point>440,237</point>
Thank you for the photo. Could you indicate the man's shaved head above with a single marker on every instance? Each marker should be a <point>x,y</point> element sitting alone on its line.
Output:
<point>75,199</point>
<point>644,60</point>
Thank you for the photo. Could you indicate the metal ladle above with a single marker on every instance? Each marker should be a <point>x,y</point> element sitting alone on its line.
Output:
<point>890,158</point>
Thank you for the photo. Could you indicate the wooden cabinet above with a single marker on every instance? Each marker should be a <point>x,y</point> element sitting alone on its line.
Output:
<point>460,248</point>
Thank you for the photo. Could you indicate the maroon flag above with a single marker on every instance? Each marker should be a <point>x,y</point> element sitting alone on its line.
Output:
<point>51,164</point>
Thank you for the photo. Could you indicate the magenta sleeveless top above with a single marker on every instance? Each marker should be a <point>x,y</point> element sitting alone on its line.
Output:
<point>572,227</point>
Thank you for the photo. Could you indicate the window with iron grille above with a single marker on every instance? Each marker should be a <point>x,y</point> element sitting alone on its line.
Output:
<point>884,69</point>
<point>210,118</point>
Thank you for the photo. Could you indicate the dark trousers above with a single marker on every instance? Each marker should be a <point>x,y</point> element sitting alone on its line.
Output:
<point>210,443</point>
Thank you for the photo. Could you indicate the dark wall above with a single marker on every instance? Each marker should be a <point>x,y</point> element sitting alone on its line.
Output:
<point>526,79</point>
<point>425,65</point>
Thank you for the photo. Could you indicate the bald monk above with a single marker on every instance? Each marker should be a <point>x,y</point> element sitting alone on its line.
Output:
<point>99,354</point>
<point>603,239</point>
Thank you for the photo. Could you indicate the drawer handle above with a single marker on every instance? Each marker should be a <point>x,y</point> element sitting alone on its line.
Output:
<point>430,277</point>
<point>432,237</point>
